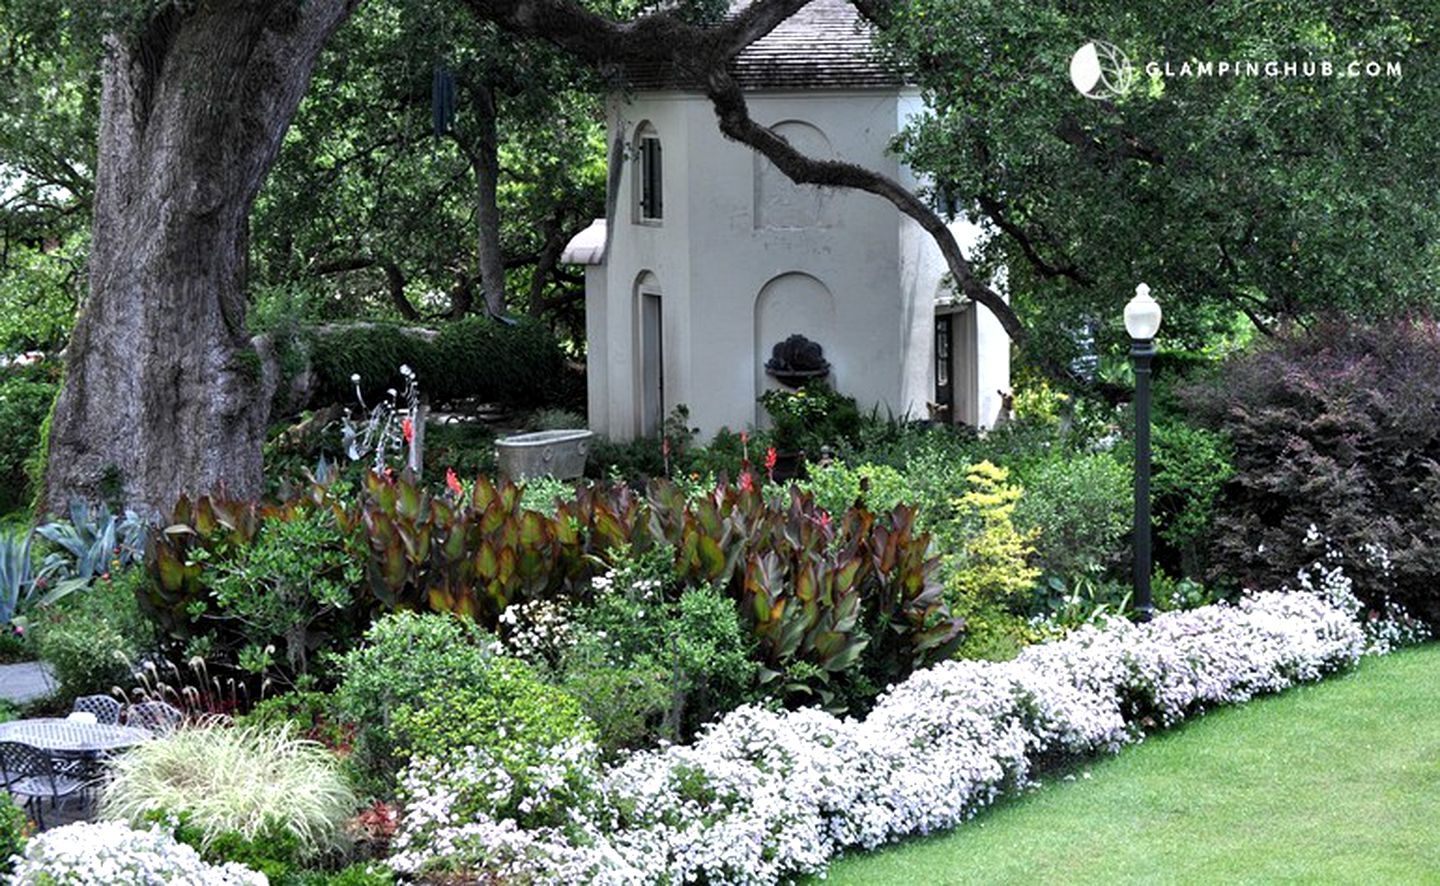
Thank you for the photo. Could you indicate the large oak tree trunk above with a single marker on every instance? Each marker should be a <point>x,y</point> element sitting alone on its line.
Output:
<point>163,392</point>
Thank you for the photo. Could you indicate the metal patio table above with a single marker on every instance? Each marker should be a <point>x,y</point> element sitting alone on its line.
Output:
<point>64,737</point>
<point>76,746</point>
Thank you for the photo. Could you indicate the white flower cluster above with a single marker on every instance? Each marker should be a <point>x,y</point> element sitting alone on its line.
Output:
<point>108,853</point>
<point>766,796</point>
<point>1387,628</point>
<point>538,631</point>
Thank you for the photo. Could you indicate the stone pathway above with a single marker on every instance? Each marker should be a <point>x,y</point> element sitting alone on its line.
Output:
<point>24,682</point>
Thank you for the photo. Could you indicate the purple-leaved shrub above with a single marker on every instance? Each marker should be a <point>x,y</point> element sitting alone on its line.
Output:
<point>1337,427</point>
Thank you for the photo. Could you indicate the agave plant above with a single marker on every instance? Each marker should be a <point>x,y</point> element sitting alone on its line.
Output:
<point>93,539</point>
<point>17,573</point>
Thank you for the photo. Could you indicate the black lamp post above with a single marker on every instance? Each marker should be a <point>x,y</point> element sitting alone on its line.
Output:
<point>1142,321</point>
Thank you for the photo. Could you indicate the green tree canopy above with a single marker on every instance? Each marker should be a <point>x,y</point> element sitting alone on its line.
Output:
<point>1280,197</point>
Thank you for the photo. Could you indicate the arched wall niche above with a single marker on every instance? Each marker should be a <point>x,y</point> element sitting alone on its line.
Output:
<point>780,204</point>
<point>786,305</point>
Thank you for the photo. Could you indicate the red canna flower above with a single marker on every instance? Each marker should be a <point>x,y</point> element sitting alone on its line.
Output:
<point>407,427</point>
<point>453,482</point>
<point>771,457</point>
<point>747,483</point>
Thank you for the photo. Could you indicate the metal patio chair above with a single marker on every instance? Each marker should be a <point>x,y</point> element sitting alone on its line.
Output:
<point>156,716</point>
<point>32,775</point>
<point>105,708</point>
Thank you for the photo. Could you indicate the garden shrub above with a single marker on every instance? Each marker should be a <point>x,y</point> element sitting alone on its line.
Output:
<point>307,714</point>
<point>293,588</point>
<point>1189,468</point>
<point>509,712</point>
<point>1335,427</point>
<point>108,853</point>
<point>404,655</point>
<point>475,357</point>
<point>634,461</point>
<point>93,638</point>
<point>357,874</point>
<point>684,648</point>
<point>14,827</point>
<point>26,395</point>
<point>625,702</point>
<point>272,850</point>
<point>984,564</point>
<point>894,441</point>
<point>837,487</point>
<point>934,471</point>
<point>543,493</point>
<point>726,453</point>
<point>811,418</point>
<point>230,780</point>
<point>1079,509</point>
<point>991,557</point>
<point>554,419</point>
<point>467,448</point>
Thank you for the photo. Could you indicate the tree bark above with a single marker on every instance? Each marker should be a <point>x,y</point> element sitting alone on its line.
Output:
<point>164,393</point>
<point>483,151</point>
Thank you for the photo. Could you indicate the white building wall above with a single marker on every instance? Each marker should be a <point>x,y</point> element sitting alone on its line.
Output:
<point>729,232</point>
<point>982,349</point>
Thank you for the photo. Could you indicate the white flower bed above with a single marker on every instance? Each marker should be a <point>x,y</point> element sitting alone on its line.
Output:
<point>763,796</point>
<point>107,854</point>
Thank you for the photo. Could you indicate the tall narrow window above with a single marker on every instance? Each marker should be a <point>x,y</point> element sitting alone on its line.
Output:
<point>650,192</point>
<point>944,367</point>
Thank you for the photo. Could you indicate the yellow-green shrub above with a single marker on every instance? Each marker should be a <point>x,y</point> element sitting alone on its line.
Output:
<point>988,578</point>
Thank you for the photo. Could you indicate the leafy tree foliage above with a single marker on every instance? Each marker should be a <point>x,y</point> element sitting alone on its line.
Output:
<point>372,188</point>
<point>49,101</point>
<point>1275,196</point>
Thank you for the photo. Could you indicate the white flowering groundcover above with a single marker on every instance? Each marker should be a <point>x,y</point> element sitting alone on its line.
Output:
<point>111,854</point>
<point>765,797</point>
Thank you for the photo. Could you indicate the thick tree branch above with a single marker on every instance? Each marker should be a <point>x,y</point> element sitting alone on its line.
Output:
<point>1127,146</point>
<point>394,278</point>
<point>995,211</point>
<point>704,54</point>
<point>735,122</point>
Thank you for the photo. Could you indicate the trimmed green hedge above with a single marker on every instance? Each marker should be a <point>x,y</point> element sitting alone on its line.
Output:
<point>474,357</point>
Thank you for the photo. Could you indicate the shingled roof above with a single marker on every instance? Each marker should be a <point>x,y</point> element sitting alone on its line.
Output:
<point>826,45</point>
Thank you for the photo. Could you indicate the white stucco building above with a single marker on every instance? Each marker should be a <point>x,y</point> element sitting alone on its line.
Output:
<point>710,256</point>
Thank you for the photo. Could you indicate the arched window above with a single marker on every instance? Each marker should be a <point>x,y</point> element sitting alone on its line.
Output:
<point>649,190</point>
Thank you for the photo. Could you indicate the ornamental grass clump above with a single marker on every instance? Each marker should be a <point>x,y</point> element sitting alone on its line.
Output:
<point>225,780</point>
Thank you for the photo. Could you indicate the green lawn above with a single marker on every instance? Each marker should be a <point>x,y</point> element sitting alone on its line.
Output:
<point>1332,783</point>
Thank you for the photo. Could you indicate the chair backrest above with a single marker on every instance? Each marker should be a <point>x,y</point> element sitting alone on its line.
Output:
<point>157,716</point>
<point>105,708</point>
<point>19,760</point>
